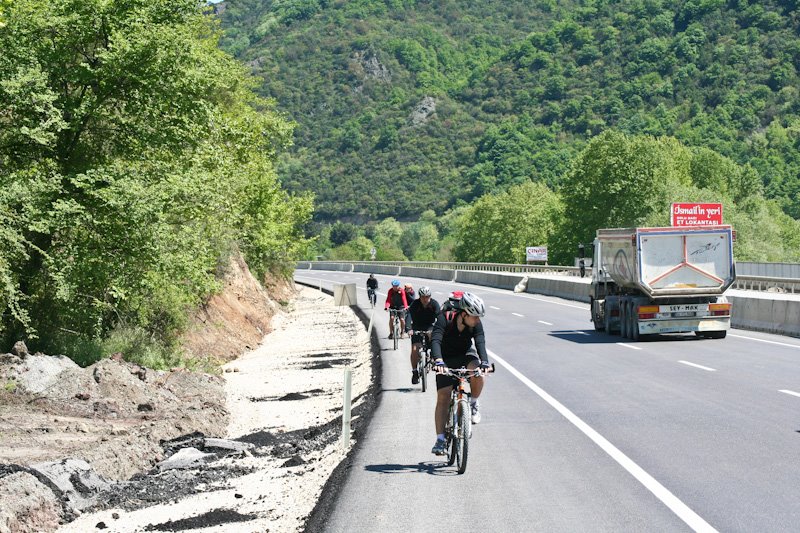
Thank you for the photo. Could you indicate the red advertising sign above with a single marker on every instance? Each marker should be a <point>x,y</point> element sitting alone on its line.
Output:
<point>696,214</point>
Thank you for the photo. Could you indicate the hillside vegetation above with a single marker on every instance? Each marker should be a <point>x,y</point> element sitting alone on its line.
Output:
<point>135,159</point>
<point>405,106</point>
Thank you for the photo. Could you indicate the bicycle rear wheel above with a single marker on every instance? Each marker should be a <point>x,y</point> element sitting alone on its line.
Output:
<point>462,441</point>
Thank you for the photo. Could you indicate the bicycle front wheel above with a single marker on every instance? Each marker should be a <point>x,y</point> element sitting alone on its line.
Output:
<point>422,368</point>
<point>462,442</point>
<point>396,333</point>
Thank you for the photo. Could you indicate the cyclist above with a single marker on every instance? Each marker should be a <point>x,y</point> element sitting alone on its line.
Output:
<point>410,294</point>
<point>372,286</point>
<point>422,314</point>
<point>396,299</point>
<point>452,301</point>
<point>457,341</point>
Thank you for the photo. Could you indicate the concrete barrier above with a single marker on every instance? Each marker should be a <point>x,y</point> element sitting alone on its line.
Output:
<point>772,313</point>
<point>428,273</point>
<point>377,269</point>
<point>488,279</point>
<point>338,267</point>
<point>560,286</point>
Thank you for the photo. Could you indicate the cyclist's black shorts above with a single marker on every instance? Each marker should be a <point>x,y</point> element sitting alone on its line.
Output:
<point>416,338</point>
<point>443,381</point>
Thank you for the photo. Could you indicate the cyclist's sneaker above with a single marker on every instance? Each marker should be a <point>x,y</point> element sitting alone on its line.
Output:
<point>476,414</point>
<point>414,377</point>
<point>440,448</point>
<point>391,336</point>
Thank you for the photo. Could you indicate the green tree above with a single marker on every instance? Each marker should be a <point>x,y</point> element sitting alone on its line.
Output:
<point>498,228</point>
<point>134,160</point>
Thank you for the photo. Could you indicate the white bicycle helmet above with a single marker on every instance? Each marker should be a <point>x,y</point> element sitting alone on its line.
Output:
<point>472,305</point>
<point>425,291</point>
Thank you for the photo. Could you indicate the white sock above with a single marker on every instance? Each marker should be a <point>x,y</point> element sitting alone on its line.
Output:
<point>440,436</point>
<point>473,401</point>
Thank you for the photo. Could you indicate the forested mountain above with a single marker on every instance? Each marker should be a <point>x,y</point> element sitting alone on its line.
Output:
<point>408,105</point>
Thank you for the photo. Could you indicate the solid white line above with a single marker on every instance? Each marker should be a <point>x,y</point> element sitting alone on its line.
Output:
<point>519,315</point>
<point>631,346</point>
<point>579,332</point>
<point>790,392</point>
<point>692,519</point>
<point>698,366</point>
<point>545,323</point>
<point>764,340</point>
<point>493,307</point>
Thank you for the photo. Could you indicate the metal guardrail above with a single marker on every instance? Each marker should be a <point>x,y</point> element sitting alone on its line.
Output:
<point>767,284</point>
<point>750,283</point>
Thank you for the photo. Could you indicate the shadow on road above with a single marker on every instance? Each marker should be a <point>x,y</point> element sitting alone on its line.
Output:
<point>402,389</point>
<point>434,468</point>
<point>590,336</point>
<point>585,337</point>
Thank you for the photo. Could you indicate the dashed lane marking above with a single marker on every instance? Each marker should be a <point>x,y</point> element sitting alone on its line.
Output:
<point>698,366</point>
<point>790,392</point>
<point>632,347</point>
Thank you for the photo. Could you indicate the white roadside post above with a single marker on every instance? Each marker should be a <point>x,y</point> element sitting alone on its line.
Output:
<point>348,386</point>
<point>369,328</point>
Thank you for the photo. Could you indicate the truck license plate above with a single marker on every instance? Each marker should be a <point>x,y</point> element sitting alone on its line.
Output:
<point>684,313</point>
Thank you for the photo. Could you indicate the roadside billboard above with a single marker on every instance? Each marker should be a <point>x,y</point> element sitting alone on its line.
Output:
<point>694,214</point>
<point>536,253</point>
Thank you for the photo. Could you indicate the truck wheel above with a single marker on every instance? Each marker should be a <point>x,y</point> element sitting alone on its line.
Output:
<point>623,320</point>
<point>634,325</point>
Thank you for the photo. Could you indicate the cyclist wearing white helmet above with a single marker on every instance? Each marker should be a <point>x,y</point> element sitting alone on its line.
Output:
<point>458,341</point>
<point>396,299</point>
<point>422,314</point>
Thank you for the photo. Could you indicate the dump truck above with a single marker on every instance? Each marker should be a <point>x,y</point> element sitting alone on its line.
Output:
<point>662,280</point>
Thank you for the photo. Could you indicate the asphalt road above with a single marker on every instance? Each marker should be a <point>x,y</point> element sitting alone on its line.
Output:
<point>584,432</point>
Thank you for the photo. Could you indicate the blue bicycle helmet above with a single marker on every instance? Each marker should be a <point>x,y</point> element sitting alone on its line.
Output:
<point>395,283</point>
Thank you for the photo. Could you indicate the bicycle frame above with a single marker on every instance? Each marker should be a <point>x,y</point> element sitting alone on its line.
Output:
<point>396,330</point>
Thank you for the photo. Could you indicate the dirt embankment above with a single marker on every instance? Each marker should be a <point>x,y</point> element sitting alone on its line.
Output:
<point>120,424</point>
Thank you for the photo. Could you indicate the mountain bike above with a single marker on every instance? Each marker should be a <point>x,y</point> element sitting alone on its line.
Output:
<point>458,428</point>
<point>425,362</point>
<point>396,327</point>
<point>373,298</point>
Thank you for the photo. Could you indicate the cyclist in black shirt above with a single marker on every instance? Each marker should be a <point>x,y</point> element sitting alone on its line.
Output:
<point>422,314</point>
<point>372,286</point>
<point>457,341</point>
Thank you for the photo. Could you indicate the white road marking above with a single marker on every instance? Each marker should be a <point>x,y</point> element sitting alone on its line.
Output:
<point>579,332</point>
<point>493,307</point>
<point>790,392</point>
<point>545,323</point>
<point>692,519</point>
<point>519,315</point>
<point>698,366</point>
<point>631,346</point>
<point>764,340</point>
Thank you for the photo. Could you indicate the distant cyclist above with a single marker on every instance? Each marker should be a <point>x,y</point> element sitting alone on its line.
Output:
<point>396,299</point>
<point>422,314</point>
<point>372,286</point>
<point>458,341</point>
